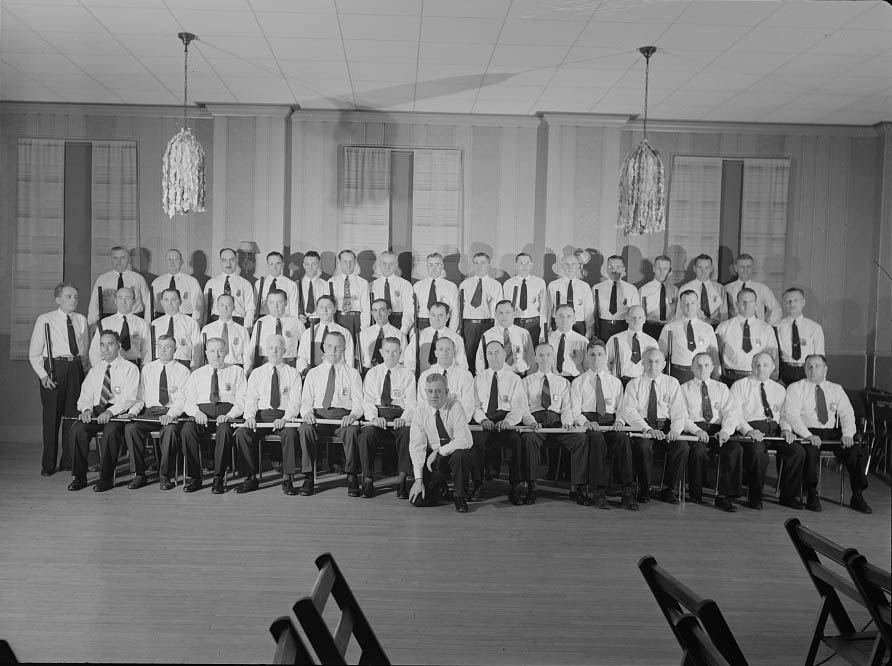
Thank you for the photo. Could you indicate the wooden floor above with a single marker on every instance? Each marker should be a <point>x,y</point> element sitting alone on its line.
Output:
<point>168,577</point>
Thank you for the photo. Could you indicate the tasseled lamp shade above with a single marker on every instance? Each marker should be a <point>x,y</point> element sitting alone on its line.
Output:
<point>183,175</point>
<point>642,192</point>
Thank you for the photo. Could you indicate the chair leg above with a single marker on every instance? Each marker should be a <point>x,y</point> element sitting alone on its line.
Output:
<point>780,470</point>
<point>718,474</point>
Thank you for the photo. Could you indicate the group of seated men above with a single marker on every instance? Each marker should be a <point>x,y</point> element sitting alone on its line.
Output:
<point>449,376</point>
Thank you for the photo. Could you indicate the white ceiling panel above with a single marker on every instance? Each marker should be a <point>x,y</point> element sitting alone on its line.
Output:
<point>369,70</point>
<point>583,78</point>
<point>546,33</point>
<point>877,17</point>
<point>64,18</point>
<point>217,23</point>
<point>817,14</point>
<point>602,34</point>
<point>823,67</point>
<point>140,20</point>
<point>769,39</point>
<point>315,69</point>
<point>467,8</point>
<point>711,38</point>
<point>300,6</point>
<point>510,55</point>
<point>452,31</point>
<point>371,27</point>
<point>379,7</point>
<point>729,12</point>
<point>326,50</point>
<point>290,24</point>
<point>588,57</point>
<point>450,54</point>
<point>853,42</point>
<point>648,11</point>
<point>381,51</point>
<point>513,76</point>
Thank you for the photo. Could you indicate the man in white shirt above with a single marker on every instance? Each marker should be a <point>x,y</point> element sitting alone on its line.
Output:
<point>569,345</point>
<point>767,308</point>
<point>798,337</point>
<point>743,336</point>
<point>310,287</point>
<point>433,289</point>
<point>501,405</point>
<point>275,263</point>
<point>478,295</point>
<point>332,390</point>
<point>160,398</point>
<point>213,396</point>
<point>713,415</point>
<point>182,328</point>
<point>420,353</point>
<point>277,322</point>
<point>596,398</point>
<point>529,296</point>
<point>459,380</point>
<point>231,332</point>
<point>440,445</point>
<point>613,297</point>
<point>132,330</point>
<point>350,292</point>
<point>652,404</point>
<point>515,341</point>
<point>388,397</point>
<point>192,303</point>
<point>371,339</point>
<point>819,412</point>
<point>309,351</point>
<point>108,391</point>
<point>58,360</point>
<point>571,290</point>
<point>761,401</point>
<point>106,287</point>
<point>272,396</point>
<point>684,338</point>
<point>625,350</point>
<point>658,297</point>
<point>396,290</point>
<point>230,282</point>
<point>710,294</point>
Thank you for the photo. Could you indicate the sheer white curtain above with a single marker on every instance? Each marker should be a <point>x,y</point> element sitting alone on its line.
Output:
<point>695,205</point>
<point>436,204</point>
<point>763,219</point>
<point>365,209</point>
<point>40,226</point>
<point>115,195</point>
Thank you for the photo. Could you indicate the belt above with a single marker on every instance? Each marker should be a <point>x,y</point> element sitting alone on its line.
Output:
<point>611,321</point>
<point>793,364</point>
<point>64,358</point>
<point>526,320</point>
<point>734,371</point>
<point>478,321</point>
<point>681,367</point>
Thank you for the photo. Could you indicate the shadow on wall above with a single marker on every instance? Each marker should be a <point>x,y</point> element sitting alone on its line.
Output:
<point>141,260</point>
<point>199,263</point>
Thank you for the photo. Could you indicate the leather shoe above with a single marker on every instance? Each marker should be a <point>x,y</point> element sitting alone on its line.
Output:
<point>697,499</point>
<point>476,493</point>
<point>368,489</point>
<point>217,486</point>
<point>628,501</point>
<point>288,486</point>
<point>166,484</point>
<point>530,497</point>
<point>582,498</point>
<point>192,485</point>
<point>248,485</point>
<point>352,486</point>
<point>755,504</point>
<point>308,487</point>
<point>65,467</point>
<point>668,495</point>
<point>77,484</point>
<point>401,491</point>
<point>138,482</point>
<point>93,468</point>
<point>600,499</point>
<point>725,504</point>
<point>102,486</point>
<point>46,472</point>
<point>461,505</point>
<point>858,504</point>
<point>514,496</point>
<point>790,503</point>
<point>813,502</point>
<point>643,498</point>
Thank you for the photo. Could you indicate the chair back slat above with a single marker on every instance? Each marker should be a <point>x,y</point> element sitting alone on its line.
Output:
<point>343,631</point>
<point>700,650</point>
<point>322,588</point>
<point>876,586</point>
<point>290,649</point>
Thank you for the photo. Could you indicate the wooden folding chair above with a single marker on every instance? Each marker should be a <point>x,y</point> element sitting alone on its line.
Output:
<point>290,648</point>
<point>331,648</point>
<point>875,586</point>
<point>853,646</point>
<point>699,650</point>
<point>677,600</point>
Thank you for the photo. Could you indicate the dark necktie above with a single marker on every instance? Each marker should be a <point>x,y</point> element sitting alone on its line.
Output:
<point>386,398</point>
<point>523,294</point>
<point>170,326</point>
<point>796,342</point>
<point>106,396</point>
<point>561,350</point>
<point>747,341</point>
<point>652,404</point>
<point>821,405</point>
<point>226,288</point>
<point>376,352</point>
<point>348,297</point>
<point>704,300</point>
<point>120,281</point>
<point>274,391</point>
<point>636,349</point>
<point>72,340</point>
<point>692,344</point>
<point>613,307</point>
<point>125,335</point>
<point>570,292</point>
<point>705,404</point>
<point>431,356</point>
<point>163,393</point>
<point>387,292</point>
<point>431,295</point>
<point>225,336</point>
<point>546,393</point>
<point>329,389</point>
<point>600,403</point>
<point>769,414</point>
<point>173,283</point>
<point>509,352</point>
<point>662,301</point>
<point>477,298</point>
<point>278,326</point>
<point>215,388</point>
<point>311,301</point>
<point>441,429</point>
<point>493,403</point>
<point>272,285</point>
<point>322,339</point>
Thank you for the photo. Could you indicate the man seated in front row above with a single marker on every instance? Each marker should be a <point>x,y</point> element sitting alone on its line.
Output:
<point>440,444</point>
<point>272,396</point>
<point>109,390</point>
<point>653,404</point>
<point>160,397</point>
<point>596,396</point>
<point>332,390</point>
<point>214,396</point>
<point>388,395</point>
<point>818,411</point>
<point>712,415</point>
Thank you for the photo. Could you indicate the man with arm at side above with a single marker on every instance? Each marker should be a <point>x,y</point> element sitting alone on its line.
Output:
<point>743,336</point>
<point>436,289</point>
<point>275,263</point>
<point>798,337</point>
<point>614,297</point>
<point>231,332</point>
<point>767,308</point>
<point>658,297</point>
<point>427,341</point>
<point>625,349</point>
<point>686,337</point>
<point>480,293</point>
<point>182,328</point>
<point>371,338</point>
<point>571,290</point>
<point>529,296</point>
<point>396,291</point>
<point>132,330</point>
<point>712,305</point>
<point>121,275</point>
<point>192,303</point>
<point>231,283</point>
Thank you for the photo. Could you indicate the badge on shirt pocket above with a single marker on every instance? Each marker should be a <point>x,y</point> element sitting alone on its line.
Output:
<point>238,292</point>
<point>833,406</point>
<point>345,392</point>
<point>701,342</point>
<point>285,390</point>
<point>715,406</point>
<point>236,342</point>
<point>503,398</point>
<point>227,387</point>
<point>117,390</point>
<point>185,295</point>
<point>757,343</point>
<point>172,389</point>
<point>183,342</point>
<point>666,398</point>
<point>608,402</point>
<point>287,334</point>
<point>397,293</point>
<point>397,393</point>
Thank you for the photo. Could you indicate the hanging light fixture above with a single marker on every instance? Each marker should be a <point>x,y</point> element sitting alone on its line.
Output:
<point>183,173</point>
<point>642,180</point>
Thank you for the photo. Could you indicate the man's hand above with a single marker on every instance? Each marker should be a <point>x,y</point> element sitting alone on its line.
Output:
<point>504,425</point>
<point>722,437</point>
<point>251,422</point>
<point>617,426</point>
<point>379,422</point>
<point>310,418</point>
<point>788,436</point>
<point>223,419</point>
<point>430,462</point>
<point>86,416</point>
<point>672,436</point>
<point>487,424</point>
<point>659,435</point>
<point>105,417</point>
<point>48,383</point>
<point>278,424</point>
<point>201,418</point>
<point>755,435</point>
<point>416,490</point>
<point>399,423</point>
<point>592,425</point>
<point>814,440</point>
<point>165,419</point>
<point>702,436</point>
<point>847,441</point>
<point>348,420</point>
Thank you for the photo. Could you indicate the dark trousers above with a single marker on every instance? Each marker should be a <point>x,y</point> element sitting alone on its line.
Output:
<point>854,458</point>
<point>472,332</point>
<point>642,455</point>
<point>423,323</point>
<point>246,441</point>
<point>573,442</point>
<point>192,432</point>
<point>309,437</point>
<point>112,438</point>
<point>607,329</point>
<point>603,444</point>
<point>487,450</point>
<point>730,470</point>
<point>533,325</point>
<point>653,329</point>
<point>457,463</point>
<point>755,459</point>
<point>791,373</point>
<point>136,433</point>
<point>730,376</point>
<point>351,321</point>
<point>682,373</point>
<point>56,403</point>
<point>370,437</point>
<point>396,319</point>
<point>578,326</point>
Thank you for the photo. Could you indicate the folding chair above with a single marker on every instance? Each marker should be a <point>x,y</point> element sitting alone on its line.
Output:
<point>875,586</point>
<point>853,646</point>
<point>290,648</point>
<point>677,600</point>
<point>699,650</point>
<point>331,648</point>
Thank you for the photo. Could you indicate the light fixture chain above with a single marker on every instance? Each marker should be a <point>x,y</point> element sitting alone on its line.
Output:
<point>186,79</point>
<point>646,87</point>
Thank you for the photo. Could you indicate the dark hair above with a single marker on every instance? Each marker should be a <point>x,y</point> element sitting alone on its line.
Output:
<point>276,253</point>
<point>57,292</point>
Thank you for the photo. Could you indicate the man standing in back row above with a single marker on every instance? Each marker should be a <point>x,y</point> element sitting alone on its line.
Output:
<point>529,296</point>
<point>121,275</point>
<point>192,303</point>
<point>613,298</point>
<point>231,283</point>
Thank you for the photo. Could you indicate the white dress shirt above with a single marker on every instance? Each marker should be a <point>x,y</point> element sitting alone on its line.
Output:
<point>459,382</point>
<point>140,338</point>
<point>236,336</point>
<point>622,342</point>
<point>512,397</point>
<point>725,409</point>
<point>670,404</point>
<point>424,347</point>
<point>650,299</point>
<point>149,392</point>
<point>521,347</point>
<point>37,350</point>
<point>124,386</point>
<point>626,297</point>
<point>767,307</point>
<point>191,298</point>
<point>320,288</point>
<point>402,391</point>
<point>259,390</point>
<point>347,389</point>
<point>538,304</point>
<point>491,293</point>
<point>747,394</point>
<point>575,345</point>
<point>369,336</point>
<point>583,301</point>
<point>718,305</point>
<point>704,337</point>
<point>186,333</point>
<point>318,332</point>
<point>231,381</point>
<point>423,433</point>
<point>584,395</point>
<point>109,283</point>
<point>446,292</point>
<point>242,293</point>
<point>730,332</point>
<point>286,284</point>
<point>558,387</point>
<point>811,339</point>
<point>400,298</point>
<point>359,296</point>
<point>800,408</point>
<point>292,330</point>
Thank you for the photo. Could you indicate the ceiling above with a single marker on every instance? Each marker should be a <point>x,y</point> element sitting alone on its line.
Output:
<point>801,61</point>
